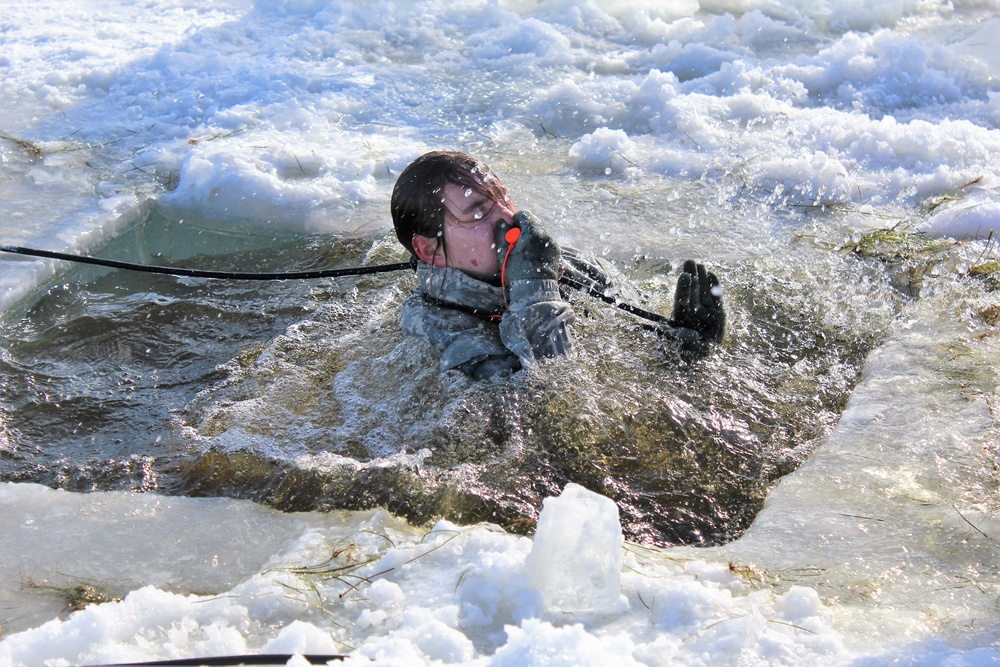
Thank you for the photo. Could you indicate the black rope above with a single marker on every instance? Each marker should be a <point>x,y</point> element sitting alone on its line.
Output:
<point>231,661</point>
<point>304,275</point>
<point>627,307</point>
<point>202,273</point>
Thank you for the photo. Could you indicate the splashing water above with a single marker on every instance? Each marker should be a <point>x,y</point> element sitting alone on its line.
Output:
<point>339,411</point>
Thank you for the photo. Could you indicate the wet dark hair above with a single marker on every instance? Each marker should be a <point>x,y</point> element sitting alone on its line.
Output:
<point>418,197</point>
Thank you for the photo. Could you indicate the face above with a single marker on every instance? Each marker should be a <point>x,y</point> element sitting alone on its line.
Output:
<point>470,223</point>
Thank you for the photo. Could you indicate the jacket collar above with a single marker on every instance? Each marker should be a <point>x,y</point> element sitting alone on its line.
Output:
<point>453,287</point>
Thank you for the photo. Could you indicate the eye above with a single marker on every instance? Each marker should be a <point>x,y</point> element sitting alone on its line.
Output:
<point>484,210</point>
<point>476,213</point>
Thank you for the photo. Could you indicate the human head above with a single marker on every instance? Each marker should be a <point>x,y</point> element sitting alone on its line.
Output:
<point>420,207</point>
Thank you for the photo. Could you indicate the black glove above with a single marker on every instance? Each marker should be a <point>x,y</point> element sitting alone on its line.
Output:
<point>534,255</point>
<point>698,305</point>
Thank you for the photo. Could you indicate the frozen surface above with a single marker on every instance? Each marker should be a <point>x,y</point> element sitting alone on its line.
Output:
<point>298,114</point>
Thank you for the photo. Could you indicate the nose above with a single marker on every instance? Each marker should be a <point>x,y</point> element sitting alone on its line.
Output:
<point>506,215</point>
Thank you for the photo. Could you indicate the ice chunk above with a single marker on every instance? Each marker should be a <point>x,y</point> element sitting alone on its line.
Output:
<point>576,559</point>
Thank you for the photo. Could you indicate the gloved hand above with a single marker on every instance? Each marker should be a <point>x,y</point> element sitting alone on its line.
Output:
<point>698,303</point>
<point>534,255</point>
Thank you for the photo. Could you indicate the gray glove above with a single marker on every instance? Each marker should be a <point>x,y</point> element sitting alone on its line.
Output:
<point>698,304</point>
<point>532,256</point>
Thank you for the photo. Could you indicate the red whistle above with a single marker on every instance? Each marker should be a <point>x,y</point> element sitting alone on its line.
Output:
<point>510,236</point>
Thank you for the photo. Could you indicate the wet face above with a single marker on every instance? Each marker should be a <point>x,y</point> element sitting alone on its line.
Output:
<point>470,222</point>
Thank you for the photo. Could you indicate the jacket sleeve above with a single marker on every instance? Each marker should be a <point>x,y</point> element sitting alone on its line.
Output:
<point>535,324</point>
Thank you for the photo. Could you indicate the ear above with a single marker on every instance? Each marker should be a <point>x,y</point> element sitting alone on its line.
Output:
<point>426,249</point>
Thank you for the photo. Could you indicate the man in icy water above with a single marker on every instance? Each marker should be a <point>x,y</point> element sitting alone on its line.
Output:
<point>488,297</point>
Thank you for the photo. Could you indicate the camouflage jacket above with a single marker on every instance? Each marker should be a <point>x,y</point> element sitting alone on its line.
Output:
<point>467,321</point>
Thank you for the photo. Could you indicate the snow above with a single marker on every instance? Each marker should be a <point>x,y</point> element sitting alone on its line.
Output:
<point>458,595</point>
<point>977,217</point>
